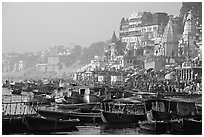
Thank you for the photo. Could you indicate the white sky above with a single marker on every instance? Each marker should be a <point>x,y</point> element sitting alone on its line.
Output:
<point>30,27</point>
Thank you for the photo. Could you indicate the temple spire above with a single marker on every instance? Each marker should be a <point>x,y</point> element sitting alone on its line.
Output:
<point>114,39</point>
<point>170,40</point>
<point>189,27</point>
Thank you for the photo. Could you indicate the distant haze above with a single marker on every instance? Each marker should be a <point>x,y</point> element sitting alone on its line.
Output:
<point>30,27</point>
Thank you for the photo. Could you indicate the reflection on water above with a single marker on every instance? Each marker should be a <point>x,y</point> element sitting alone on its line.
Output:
<point>103,129</point>
<point>120,129</point>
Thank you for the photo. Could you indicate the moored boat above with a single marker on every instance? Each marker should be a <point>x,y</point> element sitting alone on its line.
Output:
<point>78,106</point>
<point>37,124</point>
<point>13,125</point>
<point>85,116</point>
<point>186,125</point>
<point>123,110</point>
<point>155,126</point>
<point>114,117</point>
<point>169,115</point>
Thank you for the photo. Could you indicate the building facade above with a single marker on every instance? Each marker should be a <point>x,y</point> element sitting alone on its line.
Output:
<point>141,27</point>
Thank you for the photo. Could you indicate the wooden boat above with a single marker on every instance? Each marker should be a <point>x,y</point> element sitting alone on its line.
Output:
<point>85,116</point>
<point>13,125</point>
<point>161,111</point>
<point>155,126</point>
<point>78,106</point>
<point>38,124</point>
<point>113,117</point>
<point>187,125</point>
<point>13,113</point>
<point>124,110</point>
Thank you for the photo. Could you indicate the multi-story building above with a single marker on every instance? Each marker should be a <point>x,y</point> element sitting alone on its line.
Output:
<point>141,28</point>
<point>124,30</point>
<point>135,21</point>
<point>162,19</point>
<point>52,65</point>
<point>41,67</point>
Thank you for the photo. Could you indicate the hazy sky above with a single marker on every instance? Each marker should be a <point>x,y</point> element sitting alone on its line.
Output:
<point>28,27</point>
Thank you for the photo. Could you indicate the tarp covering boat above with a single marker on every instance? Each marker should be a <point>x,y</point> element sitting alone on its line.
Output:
<point>185,109</point>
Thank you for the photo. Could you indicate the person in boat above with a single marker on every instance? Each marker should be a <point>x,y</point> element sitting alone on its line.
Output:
<point>149,115</point>
<point>125,109</point>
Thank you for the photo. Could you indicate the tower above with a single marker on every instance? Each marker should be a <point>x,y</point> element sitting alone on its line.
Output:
<point>189,36</point>
<point>114,39</point>
<point>170,42</point>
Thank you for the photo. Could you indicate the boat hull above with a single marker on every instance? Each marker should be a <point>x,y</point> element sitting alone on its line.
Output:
<point>187,126</point>
<point>112,117</point>
<point>83,117</point>
<point>155,126</point>
<point>13,125</point>
<point>78,106</point>
<point>41,124</point>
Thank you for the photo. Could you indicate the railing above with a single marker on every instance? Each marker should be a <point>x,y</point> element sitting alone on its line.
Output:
<point>20,106</point>
<point>124,109</point>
